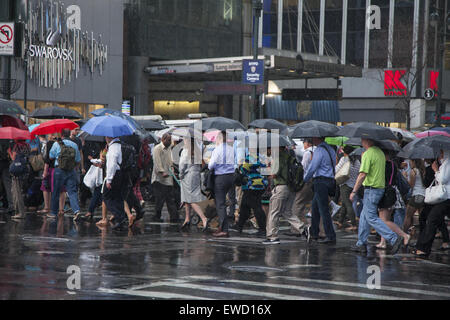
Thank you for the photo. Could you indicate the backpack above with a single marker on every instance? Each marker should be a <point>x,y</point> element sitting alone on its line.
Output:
<point>129,157</point>
<point>295,175</point>
<point>66,159</point>
<point>19,167</point>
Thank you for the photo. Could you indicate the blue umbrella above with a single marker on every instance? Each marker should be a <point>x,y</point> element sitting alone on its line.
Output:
<point>35,142</point>
<point>106,111</point>
<point>108,126</point>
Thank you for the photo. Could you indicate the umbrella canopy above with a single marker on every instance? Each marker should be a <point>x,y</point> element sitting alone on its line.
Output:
<point>357,152</point>
<point>336,141</point>
<point>54,126</point>
<point>313,128</point>
<point>388,145</point>
<point>405,135</point>
<point>272,140</point>
<point>150,125</point>
<point>367,130</point>
<point>10,107</point>
<point>12,121</point>
<point>188,133</point>
<point>418,150</point>
<point>354,142</point>
<point>11,133</point>
<point>218,123</point>
<point>269,124</point>
<point>108,126</point>
<point>87,137</point>
<point>106,112</point>
<point>431,133</point>
<point>160,133</point>
<point>55,112</point>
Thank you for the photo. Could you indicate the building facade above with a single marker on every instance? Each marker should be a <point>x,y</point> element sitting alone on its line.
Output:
<point>74,53</point>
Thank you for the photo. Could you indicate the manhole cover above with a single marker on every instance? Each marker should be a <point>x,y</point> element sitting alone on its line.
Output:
<point>254,269</point>
<point>45,239</point>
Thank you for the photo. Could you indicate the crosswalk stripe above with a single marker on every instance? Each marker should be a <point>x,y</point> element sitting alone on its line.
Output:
<point>237,291</point>
<point>152,294</point>
<point>358,285</point>
<point>310,289</point>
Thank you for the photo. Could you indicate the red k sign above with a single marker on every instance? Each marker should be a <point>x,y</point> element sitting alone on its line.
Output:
<point>393,86</point>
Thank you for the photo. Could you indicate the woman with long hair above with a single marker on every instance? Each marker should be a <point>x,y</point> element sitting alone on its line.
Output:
<point>191,192</point>
<point>416,203</point>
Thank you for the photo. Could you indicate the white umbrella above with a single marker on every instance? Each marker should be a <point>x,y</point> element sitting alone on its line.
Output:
<point>409,136</point>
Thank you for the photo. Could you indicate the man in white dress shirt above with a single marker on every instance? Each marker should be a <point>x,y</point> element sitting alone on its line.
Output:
<point>112,194</point>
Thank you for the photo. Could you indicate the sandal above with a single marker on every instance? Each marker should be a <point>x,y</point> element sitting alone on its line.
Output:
<point>43,211</point>
<point>422,254</point>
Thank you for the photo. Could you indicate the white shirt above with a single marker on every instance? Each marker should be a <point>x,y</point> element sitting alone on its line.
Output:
<point>222,160</point>
<point>443,175</point>
<point>419,189</point>
<point>113,159</point>
<point>307,157</point>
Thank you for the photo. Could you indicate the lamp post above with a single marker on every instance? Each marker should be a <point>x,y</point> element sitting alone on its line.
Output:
<point>441,23</point>
<point>257,7</point>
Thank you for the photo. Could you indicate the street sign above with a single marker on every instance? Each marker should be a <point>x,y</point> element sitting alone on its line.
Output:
<point>6,39</point>
<point>253,72</point>
<point>428,94</point>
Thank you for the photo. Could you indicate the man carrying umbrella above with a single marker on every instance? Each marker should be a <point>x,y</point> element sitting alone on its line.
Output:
<point>372,177</point>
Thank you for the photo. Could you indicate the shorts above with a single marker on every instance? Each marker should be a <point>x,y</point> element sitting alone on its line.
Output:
<point>417,202</point>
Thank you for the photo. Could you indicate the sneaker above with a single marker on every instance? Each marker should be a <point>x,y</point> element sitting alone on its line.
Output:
<point>334,208</point>
<point>270,241</point>
<point>51,216</point>
<point>309,215</point>
<point>359,249</point>
<point>77,216</point>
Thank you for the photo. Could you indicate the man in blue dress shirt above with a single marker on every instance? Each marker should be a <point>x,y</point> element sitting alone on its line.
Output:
<point>222,162</point>
<point>64,178</point>
<point>321,170</point>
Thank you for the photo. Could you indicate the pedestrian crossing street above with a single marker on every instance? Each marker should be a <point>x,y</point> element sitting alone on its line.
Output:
<point>276,288</point>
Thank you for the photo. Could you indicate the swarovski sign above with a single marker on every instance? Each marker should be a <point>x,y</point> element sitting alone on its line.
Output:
<point>51,53</point>
<point>57,47</point>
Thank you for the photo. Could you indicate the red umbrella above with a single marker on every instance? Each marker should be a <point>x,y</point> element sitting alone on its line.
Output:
<point>11,133</point>
<point>11,121</point>
<point>54,126</point>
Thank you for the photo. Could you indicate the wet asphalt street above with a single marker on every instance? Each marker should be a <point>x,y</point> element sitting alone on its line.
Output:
<point>157,261</point>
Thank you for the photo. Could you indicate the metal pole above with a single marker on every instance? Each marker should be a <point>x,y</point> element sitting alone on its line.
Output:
<point>442,29</point>
<point>257,6</point>
<point>25,84</point>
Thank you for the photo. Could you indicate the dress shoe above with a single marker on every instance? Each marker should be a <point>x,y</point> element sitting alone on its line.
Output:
<point>327,241</point>
<point>220,234</point>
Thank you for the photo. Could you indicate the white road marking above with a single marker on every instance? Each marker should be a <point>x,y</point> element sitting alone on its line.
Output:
<point>358,285</point>
<point>152,294</point>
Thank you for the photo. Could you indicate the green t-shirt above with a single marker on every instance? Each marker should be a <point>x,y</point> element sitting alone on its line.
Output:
<point>373,163</point>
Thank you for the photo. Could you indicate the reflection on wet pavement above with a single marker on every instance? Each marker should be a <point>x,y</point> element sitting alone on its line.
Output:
<point>156,261</point>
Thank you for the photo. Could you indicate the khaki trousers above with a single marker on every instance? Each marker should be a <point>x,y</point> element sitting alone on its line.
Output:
<point>302,202</point>
<point>16,186</point>
<point>281,204</point>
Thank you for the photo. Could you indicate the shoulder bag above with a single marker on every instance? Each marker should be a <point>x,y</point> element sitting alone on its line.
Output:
<point>390,196</point>
<point>436,193</point>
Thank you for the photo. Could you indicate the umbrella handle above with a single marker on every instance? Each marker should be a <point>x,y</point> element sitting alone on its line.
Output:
<point>175,178</point>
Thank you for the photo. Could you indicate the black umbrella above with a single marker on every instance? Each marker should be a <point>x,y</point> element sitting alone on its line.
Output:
<point>418,150</point>
<point>388,145</point>
<point>218,123</point>
<point>87,137</point>
<point>269,124</point>
<point>10,107</point>
<point>367,130</point>
<point>313,128</point>
<point>357,152</point>
<point>55,113</point>
<point>151,125</point>
<point>353,142</point>
<point>268,139</point>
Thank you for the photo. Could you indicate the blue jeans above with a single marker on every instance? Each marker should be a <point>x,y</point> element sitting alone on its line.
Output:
<point>399,217</point>
<point>357,207</point>
<point>69,180</point>
<point>369,218</point>
<point>320,209</point>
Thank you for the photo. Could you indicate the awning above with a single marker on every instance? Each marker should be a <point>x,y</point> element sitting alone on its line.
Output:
<point>327,111</point>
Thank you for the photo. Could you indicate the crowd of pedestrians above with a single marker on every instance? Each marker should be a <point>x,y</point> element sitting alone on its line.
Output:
<point>378,194</point>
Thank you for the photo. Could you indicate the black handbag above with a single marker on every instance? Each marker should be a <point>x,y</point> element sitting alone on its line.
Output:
<point>390,196</point>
